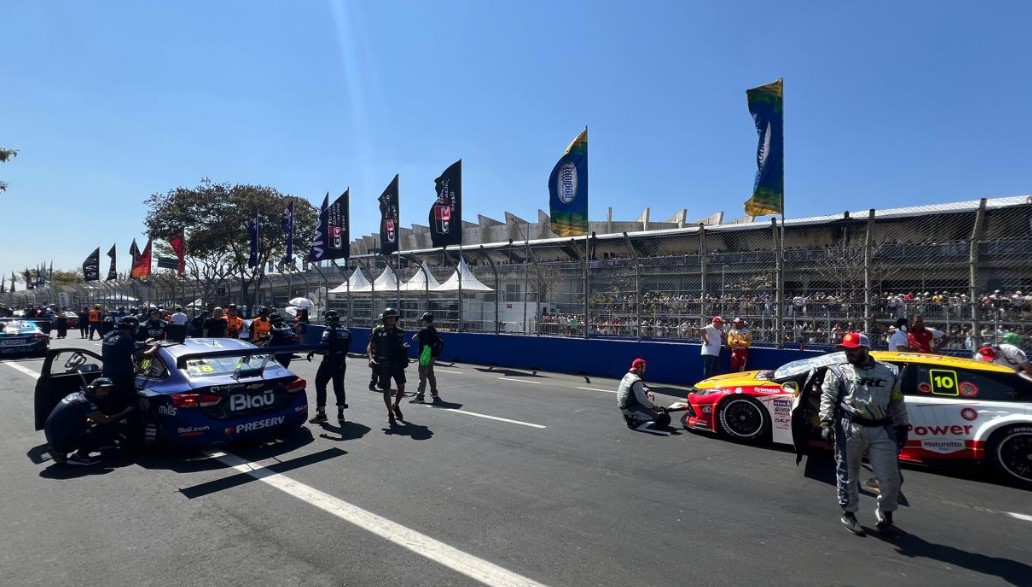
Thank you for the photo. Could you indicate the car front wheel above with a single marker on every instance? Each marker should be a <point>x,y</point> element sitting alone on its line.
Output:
<point>1010,452</point>
<point>743,418</point>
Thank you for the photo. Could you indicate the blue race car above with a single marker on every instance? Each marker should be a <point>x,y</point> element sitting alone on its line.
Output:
<point>22,337</point>
<point>201,392</point>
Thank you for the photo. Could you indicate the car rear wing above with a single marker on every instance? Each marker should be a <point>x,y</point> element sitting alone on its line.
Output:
<point>181,360</point>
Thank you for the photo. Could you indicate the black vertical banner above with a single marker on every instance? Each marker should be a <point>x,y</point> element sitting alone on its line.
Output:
<point>112,274</point>
<point>446,213</point>
<point>389,219</point>
<point>338,230</point>
<point>317,251</point>
<point>91,266</point>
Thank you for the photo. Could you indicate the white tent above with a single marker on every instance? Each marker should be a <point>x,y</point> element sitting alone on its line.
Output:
<point>469,282</point>
<point>357,284</point>
<point>418,283</point>
<point>387,281</point>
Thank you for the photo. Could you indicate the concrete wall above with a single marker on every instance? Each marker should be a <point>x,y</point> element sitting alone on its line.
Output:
<point>674,363</point>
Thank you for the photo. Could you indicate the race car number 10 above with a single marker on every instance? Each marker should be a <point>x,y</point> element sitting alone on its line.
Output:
<point>943,382</point>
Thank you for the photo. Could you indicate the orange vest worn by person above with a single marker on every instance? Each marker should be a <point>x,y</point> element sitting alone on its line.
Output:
<point>234,324</point>
<point>262,327</point>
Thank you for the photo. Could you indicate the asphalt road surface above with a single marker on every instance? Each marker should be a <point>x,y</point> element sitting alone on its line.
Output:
<point>521,478</point>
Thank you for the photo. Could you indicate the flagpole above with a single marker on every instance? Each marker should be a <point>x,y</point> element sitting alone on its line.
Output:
<point>781,249</point>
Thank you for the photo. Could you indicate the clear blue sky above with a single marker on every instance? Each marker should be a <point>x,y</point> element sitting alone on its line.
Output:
<point>887,103</point>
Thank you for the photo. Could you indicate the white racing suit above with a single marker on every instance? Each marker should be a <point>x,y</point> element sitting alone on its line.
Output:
<point>864,405</point>
<point>633,402</point>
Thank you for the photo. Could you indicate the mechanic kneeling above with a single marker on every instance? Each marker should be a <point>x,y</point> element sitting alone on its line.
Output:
<point>636,401</point>
<point>68,426</point>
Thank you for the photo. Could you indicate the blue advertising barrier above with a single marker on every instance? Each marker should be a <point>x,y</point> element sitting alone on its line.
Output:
<point>669,362</point>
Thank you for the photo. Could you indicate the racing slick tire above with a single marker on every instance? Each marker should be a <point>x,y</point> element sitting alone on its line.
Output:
<point>744,419</point>
<point>684,420</point>
<point>1010,452</point>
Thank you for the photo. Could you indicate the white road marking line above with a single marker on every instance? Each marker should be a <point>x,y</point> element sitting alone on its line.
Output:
<point>1024,517</point>
<point>596,389</point>
<point>24,370</point>
<point>520,380</point>
<point>421,544</point>
<point>491,417</point>
<point>444,371</point>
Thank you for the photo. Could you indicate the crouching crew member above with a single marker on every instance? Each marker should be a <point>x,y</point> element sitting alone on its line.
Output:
<point>636,402</point>
<point>336,340</point>
<point>388,354</point>
<point>863,412</point>
<point>68,427</point>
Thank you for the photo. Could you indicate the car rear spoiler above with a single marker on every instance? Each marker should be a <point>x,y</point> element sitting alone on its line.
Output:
<point>279,350</point>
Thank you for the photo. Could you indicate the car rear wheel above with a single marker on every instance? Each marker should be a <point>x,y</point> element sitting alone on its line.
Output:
<point>743,418</point>
<point>1010,452</point>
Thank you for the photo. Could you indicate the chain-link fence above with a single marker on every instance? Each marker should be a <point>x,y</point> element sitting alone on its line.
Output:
<point>967,270</point>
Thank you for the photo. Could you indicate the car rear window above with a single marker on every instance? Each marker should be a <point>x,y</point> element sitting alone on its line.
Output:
<point>215,366</point>
<point>973,385</point>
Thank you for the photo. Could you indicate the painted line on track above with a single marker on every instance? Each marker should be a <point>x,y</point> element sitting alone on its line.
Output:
<point>597,389</point>
<point>521,381</point>
<point>1024,517</point>
<point>491,417</point>
<point>476,568</point>
<point>451,372</point>
<point>24,370</point>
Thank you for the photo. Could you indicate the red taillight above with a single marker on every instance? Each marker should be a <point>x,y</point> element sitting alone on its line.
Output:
<point>195,400</point>
<point>40,337</point>
<point>296,385</point>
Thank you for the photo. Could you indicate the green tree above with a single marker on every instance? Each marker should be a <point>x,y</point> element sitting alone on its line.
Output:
<point>5,155</point>
<point>215,218</point>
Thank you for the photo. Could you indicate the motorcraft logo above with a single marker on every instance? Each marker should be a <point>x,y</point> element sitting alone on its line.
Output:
<point>566,183</point>
<point>255,426</point>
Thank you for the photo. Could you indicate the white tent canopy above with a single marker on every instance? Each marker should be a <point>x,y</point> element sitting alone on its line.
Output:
<point>387,281</point>
<point>357,284</point>
<point>418,283</point>
<point>469,282</point>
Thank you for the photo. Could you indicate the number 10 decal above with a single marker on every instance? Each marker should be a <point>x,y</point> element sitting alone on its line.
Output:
<point>944,382</point>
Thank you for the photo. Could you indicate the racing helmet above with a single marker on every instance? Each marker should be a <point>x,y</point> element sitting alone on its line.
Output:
<point>331,316</point>
<point>428,317</point>
<point>1012,338</point>
<point>128,322</point>
<point>388,312</point>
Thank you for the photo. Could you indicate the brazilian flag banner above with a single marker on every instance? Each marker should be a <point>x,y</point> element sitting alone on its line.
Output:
<point>765,105</point>
<point>568,190</point>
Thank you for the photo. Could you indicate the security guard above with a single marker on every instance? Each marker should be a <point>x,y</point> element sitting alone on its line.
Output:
<point>336,340</point>
<point>863,412</point>
<point>388,354</point>
<point>281,334</point>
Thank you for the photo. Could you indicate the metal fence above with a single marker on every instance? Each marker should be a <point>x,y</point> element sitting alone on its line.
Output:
<point>967,271</point>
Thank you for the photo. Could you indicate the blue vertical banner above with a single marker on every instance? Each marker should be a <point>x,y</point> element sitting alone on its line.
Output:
<point>766,107</point>
<point>254,230</point>
<point>288,228</point>
<point>568,189</point>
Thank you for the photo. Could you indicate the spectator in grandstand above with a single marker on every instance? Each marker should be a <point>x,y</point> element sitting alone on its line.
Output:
<point>712,339</point>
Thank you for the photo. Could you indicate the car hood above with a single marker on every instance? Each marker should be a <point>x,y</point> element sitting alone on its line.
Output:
<point>742,379</point>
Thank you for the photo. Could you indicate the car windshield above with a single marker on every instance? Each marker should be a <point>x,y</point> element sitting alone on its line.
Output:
<point>797,368</point>
<point>214,366</point>
<point>15,326</point>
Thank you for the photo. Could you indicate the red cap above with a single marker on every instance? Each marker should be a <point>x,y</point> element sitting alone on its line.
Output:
<point>853,340</point>
<point>637,363</point>
<point>987,353</point>
<point>717,319</point>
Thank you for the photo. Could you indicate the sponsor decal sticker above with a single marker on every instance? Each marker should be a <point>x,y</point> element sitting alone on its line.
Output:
<point>260,424</point>
<point>968,389</point>
<point>924,387</point>
<point>192,430</point>
<point>167,410</point>
<point>942,445</point>
<point>942,430</point>
<point>969,414</point>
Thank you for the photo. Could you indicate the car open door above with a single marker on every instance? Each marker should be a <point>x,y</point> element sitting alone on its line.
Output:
<point>64,371</point>
<point>806,432</point>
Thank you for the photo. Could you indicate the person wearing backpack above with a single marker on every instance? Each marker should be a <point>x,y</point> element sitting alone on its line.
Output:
<point>430,346</point>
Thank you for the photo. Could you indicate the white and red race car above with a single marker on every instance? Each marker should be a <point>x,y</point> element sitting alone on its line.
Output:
<point>962,411</point>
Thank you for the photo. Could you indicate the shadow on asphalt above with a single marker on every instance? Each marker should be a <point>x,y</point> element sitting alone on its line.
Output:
<point>911,545</point>
<point>348,431</point>
<point>413,431</point>
<point>444,405</point>
<point>239,479</point>
<point>508,372</point>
